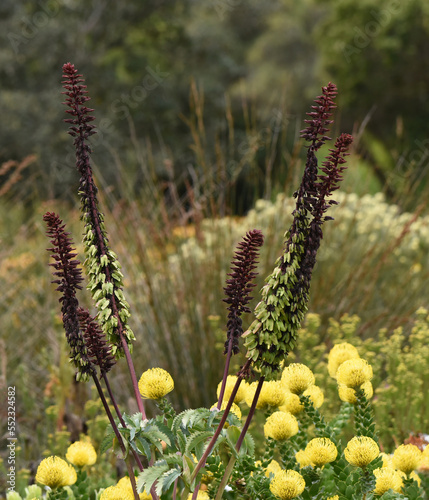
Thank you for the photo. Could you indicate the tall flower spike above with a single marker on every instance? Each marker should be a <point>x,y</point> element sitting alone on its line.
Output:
<point>239,285</point>
<point>68,278</point>
<point>103,268</point>
<point>285,296</point>
<point>319,121</point>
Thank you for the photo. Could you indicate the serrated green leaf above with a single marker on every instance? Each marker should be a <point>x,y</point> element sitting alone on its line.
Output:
<point>232,435</point>
<point>142,446</point>
<point>195,439</point>
<point>147,478</point>
<point>107,442</point>
<point>166,480</point>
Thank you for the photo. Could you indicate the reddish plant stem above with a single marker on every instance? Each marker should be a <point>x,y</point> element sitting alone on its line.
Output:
<point>225,374</point>
<point>213,440</point>
<point>118,412</point>
<point>117,434</point>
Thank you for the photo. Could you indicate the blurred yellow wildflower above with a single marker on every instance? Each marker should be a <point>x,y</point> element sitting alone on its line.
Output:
<point>303,459</point>
<point>321,451</point>
<point>387,478</point>
<point>234,408</point>
<point>406,458</point>
<point>81,453</point>
<point>272,468</point>
<point>55,473</point>
<point>354,372</point>
<point>361,451</point>
<point>315,394</point>
<point>335,497</point>
<point>202,495</point>
<point>280,425</point>
<point>387,460</point>
<point>297,378</point>
<point>155,383</point>
<point>338,354</point>
<point>126,484</point>
<point>348,394</point>
<point>240,397</point>
<point>117,493</point>
<point>291,403</point>
<point>287,484</point>
<point>272,394</point>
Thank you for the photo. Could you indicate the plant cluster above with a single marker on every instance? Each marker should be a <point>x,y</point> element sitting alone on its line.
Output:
<point>208,453</point>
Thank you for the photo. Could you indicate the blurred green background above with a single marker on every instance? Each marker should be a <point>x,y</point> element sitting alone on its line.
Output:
<point>198,107</point>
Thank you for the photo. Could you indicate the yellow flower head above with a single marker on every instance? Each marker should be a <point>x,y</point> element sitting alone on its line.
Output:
<point>126,484</point>
<point>202,495</point>
<point>335,497</point>
<point>287,484</point>
<point>315,394</point>
<point>354,372</point>
<point>338,354</point>
<point>303,459</point>
<point>348,394</point>
<point>240,397</point>
<point>55,473</point>
<point>81,453</point>
<point>155,383</point>
<point>280,425</point>
<point>361,451</point>
<point>321,451</point>
<point>234,408</point>
<point>387,460</point>
<point>117,493</point>
<point>387,478</point>
<point>272,468</point>
<point>297,378</point>
<point>292,404</point>
<point>272,394</point>
<point>406,458</point>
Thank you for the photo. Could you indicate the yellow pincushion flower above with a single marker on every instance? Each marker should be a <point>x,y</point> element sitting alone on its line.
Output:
<point>81,453</point>
<point>348,394</point>
<point>234,408</point>
<point>126,483</point>
<point>321,451</point>
<point>297,378</point>
<point>387,478</point>
<point>387,460</point>
<point>291,403</point>
<point>354,372</point>
<point>338,354</point>
<point>406,458</point>
<point>240,397</point>
<point>280,426</point>
<point>155,383</point>
<point>287,484</point>
<point>335,497</point>
<point>272,468</point>
<point>55,473</point>
<point>117,493</point>
<point>303,459</point>
<point>272,394</point>
<point>361,451</point>
<point>315,394</point>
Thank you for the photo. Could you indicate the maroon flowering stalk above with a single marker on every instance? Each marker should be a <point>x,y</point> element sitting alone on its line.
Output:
<point>274,332</point>
<point>238,288</point>
<point>239,285</point>
<point>68,278</point>
<point>99,352</point>
<point>101,264</point>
